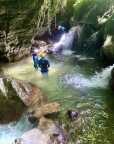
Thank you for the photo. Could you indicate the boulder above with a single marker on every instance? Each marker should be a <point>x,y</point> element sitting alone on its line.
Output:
<point>108,49</point>
<point>15,96</point>
<point>34,136</point>
<point>11,107</point>
<point>47,110</point>
<point>30,94</point>
<point>56,133</point>
<point>108,52</point>
<point>46,133</point>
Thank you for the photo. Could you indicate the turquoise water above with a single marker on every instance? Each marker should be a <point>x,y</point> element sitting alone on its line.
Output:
<point>8,132</point>
<point>76,82</point>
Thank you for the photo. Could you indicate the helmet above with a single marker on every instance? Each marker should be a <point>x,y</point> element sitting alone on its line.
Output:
<point>42,54</point>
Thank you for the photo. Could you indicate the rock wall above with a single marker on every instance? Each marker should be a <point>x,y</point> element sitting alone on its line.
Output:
<point>17,22</point>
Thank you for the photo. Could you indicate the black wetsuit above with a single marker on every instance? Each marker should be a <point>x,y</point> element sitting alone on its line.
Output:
<point>44,65</point>
<point>35,60</point>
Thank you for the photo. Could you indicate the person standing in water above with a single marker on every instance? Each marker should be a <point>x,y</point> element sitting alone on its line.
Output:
<point>35,60</point>
<point>44,66</point>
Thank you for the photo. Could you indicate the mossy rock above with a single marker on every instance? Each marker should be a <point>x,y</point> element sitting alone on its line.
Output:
<point>109,52</point>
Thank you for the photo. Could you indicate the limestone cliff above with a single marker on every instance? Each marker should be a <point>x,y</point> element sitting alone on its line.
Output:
<point>17,22</point>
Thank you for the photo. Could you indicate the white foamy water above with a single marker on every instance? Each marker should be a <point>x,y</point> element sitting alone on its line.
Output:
<point>99,80</point>
<point>65,42</point>
<point>9,132</point>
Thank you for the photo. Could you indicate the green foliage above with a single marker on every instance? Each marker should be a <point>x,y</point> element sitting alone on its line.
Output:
<point>16,14</point>
<point>49,9</point>
<point>82,8</point>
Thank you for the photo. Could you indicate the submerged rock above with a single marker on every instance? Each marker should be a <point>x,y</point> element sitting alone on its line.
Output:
<point>15,96</point>
<point>108,49</point>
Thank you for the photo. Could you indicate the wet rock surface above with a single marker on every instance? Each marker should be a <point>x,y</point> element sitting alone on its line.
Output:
<point>47,132</point>
<point>11,107</point>
<point>54,130</point>
<point>17,23</point>
<point>12,48</point>
<point>47,110</point>
<point>15,96</point>
<point>28,93</point>
<point>108,49</point>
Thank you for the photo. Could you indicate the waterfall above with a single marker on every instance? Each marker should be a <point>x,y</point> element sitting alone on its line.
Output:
<point>99,80</point>
<point>66,41</point>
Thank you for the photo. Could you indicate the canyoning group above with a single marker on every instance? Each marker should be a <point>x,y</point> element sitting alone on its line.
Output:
<point>39,53</point>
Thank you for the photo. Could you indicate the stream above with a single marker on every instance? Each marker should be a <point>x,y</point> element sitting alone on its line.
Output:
<point>74,81</point>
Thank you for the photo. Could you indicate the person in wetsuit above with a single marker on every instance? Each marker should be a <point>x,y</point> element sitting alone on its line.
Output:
<point>35,60</point>
<point>44,66</point>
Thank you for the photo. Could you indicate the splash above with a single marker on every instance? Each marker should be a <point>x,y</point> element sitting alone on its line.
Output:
<point>99,80</point>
